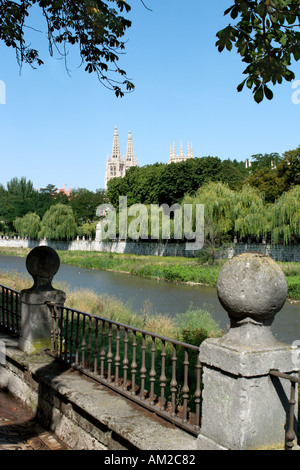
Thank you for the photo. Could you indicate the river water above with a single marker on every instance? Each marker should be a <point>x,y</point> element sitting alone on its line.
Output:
<point>162,297</point>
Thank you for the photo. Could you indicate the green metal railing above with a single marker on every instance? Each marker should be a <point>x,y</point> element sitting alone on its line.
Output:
<point>161,374</point>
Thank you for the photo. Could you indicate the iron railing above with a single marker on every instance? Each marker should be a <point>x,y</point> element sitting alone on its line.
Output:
<point>290,435</point>
<point>161,374</point>
<point>10,310</point>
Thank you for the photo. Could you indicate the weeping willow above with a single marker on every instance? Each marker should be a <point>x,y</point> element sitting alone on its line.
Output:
<point>58,223</point>
<point>251,214</point>
<point>218,200</point>
<point>285,222</point>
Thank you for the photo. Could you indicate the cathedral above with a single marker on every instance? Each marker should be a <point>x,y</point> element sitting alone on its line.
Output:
<point>117,165</point>
<point>173,158</point>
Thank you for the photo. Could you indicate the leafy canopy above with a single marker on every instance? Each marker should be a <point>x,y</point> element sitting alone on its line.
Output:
<point>95,26</point>
<point>266,35</point>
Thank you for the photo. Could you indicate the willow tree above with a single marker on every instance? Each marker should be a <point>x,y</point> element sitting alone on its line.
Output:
<point>218,200</point>
<point>28,226</point>
<point>251,214</point>
<point>58,223</point>
<point>286,217</point>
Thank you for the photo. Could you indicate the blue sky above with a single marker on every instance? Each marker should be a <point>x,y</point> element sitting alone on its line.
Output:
<point>58,129</point>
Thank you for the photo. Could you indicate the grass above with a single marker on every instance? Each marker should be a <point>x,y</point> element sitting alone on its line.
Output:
<point>187,324</point>
<point>172,269</point>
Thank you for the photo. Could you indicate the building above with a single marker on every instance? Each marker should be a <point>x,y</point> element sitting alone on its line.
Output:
<point>117,165</point>
<point>173,158</point>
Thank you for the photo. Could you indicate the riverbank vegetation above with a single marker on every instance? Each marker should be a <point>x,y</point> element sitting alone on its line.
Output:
<point>200,270</point>
<point>192,326</point>
<point>259,200</point>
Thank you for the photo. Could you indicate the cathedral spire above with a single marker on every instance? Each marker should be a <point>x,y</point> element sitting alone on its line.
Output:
<point>129,150</point>
<point>116,152</point>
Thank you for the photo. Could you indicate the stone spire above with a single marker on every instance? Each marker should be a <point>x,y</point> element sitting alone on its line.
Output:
<point>116,152</point>
<point>129,150</point>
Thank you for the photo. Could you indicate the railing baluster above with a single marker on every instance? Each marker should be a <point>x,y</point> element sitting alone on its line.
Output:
<point>89,346</point>
<point>143,369</point>
<point>65,334</point>
<point>125,360</point>
<point>96,349</point>
<point>173,383</point>
<point>52,329</point>
<point>83,344</point>
<point>77,340</point>
<point>117,356</point>
<point>72,337</point>
<point>133,363</point>
<point>17,313</point>
<point>102,352</point>
<point>12,323</point>
<point>109,354</point>
<point>152,372</point>
<point>197,394</point>
<point>163,377</point>
<point>185,388</point>
<point>56,332</point>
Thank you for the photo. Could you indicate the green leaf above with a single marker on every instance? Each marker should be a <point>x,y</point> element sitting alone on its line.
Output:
<point>268,93</point>
<point>241,86</point>
<point>259,95</point>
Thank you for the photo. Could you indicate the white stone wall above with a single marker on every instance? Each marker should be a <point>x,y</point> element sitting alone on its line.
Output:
<point>277,252</point>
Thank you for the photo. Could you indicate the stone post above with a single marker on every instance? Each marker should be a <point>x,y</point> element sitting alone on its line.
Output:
<point>42,264</point>
<point>243,406</point>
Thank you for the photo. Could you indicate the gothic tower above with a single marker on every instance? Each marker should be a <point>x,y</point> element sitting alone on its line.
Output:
<point>117,165</point>
<point>173,158</point>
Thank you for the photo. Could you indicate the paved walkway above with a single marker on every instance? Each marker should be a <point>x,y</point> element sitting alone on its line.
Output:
<point>20,431</point>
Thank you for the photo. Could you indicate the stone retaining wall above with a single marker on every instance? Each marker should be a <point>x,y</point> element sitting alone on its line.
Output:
<point>277,252</point>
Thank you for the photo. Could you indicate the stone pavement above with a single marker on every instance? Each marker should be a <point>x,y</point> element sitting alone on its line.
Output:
<point>20,431</point>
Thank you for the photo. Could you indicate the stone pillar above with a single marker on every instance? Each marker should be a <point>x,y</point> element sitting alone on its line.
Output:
<point>42,264</point>
<point>243,406</point>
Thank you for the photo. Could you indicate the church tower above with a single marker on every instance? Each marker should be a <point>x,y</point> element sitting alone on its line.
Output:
<point>173,158</point>
<point>117,165</point>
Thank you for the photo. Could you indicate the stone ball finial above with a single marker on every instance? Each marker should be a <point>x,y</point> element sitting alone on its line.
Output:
<point>251,285</point>
<point>42,264</point>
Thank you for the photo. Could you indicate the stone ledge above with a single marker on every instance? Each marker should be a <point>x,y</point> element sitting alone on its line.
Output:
<point>85,414</point>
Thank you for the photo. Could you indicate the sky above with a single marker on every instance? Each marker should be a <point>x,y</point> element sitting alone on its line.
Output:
<point>57,128</point>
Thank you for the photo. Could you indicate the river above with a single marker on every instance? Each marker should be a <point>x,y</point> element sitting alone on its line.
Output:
<point>163,297</point>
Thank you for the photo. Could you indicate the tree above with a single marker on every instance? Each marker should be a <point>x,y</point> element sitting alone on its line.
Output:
<point>289,168</point>
<point>218,200</point>
<point>233,173</point>
<point>58,223</point>
<point>95,26</point>
<point>268,160</point>
<point>15,201</point>
<point>28,226</point>
<point>266,36</point>
<point>84,204</point>
<point>250,214</point>
<point>286,217</point>
<point>267,182</point>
